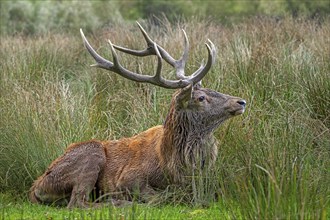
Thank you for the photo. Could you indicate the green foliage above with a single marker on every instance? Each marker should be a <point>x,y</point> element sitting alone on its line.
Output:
<point>273,160</point>
<point>173,10</point>
<point>33,17</point>
<point>221,9</point>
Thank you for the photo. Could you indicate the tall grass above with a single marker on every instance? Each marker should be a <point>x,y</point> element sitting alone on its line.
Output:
<point>273,160</point>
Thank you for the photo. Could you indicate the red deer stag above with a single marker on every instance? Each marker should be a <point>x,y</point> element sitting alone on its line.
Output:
<point>153,159</point>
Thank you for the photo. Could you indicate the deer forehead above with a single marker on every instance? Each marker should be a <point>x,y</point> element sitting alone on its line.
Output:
<point>209,93</point>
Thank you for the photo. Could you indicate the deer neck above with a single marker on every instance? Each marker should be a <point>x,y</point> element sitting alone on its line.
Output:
<point>187,144</point>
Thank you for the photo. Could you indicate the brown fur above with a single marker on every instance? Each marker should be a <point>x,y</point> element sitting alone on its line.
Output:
<point>153,159</point>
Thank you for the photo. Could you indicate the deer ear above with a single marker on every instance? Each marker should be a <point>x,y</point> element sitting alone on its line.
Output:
<point>184,96</point>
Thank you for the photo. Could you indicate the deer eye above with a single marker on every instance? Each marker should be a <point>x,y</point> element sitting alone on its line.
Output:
<point>201,98</point>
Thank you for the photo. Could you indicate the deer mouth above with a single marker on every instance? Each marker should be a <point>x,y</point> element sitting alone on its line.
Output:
<point>240,110</point>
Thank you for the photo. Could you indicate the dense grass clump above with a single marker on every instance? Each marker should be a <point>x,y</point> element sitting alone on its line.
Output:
<point>273,160</point>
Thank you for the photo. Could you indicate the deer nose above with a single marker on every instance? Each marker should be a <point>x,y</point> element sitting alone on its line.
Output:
<point>242,102</point>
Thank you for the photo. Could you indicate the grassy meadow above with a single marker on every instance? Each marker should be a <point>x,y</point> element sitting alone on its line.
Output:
<point>273,162</point>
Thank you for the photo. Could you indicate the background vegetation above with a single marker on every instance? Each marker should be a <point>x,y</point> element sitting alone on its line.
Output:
<point>36,16</point>
<point>273,161</point>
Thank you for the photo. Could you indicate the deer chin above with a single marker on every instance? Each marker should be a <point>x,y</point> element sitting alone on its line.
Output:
<point>238,111</point>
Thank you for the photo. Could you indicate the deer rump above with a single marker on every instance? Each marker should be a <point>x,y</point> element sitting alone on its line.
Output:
<point>153,159</point>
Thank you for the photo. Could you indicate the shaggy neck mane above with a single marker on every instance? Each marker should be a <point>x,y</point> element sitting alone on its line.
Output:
<point>187,144</point>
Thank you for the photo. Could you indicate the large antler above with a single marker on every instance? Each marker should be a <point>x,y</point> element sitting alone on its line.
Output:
<point>154,49</point>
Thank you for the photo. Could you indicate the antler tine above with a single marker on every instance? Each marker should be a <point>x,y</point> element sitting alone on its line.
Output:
<point>203,70</point>
<point>214,50</point>
<point>101,62</point>
<point>160,65</point>
<point>145,35</point>
<point>179,64</point>
<point>185,52</point>
<point>141,53</point>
